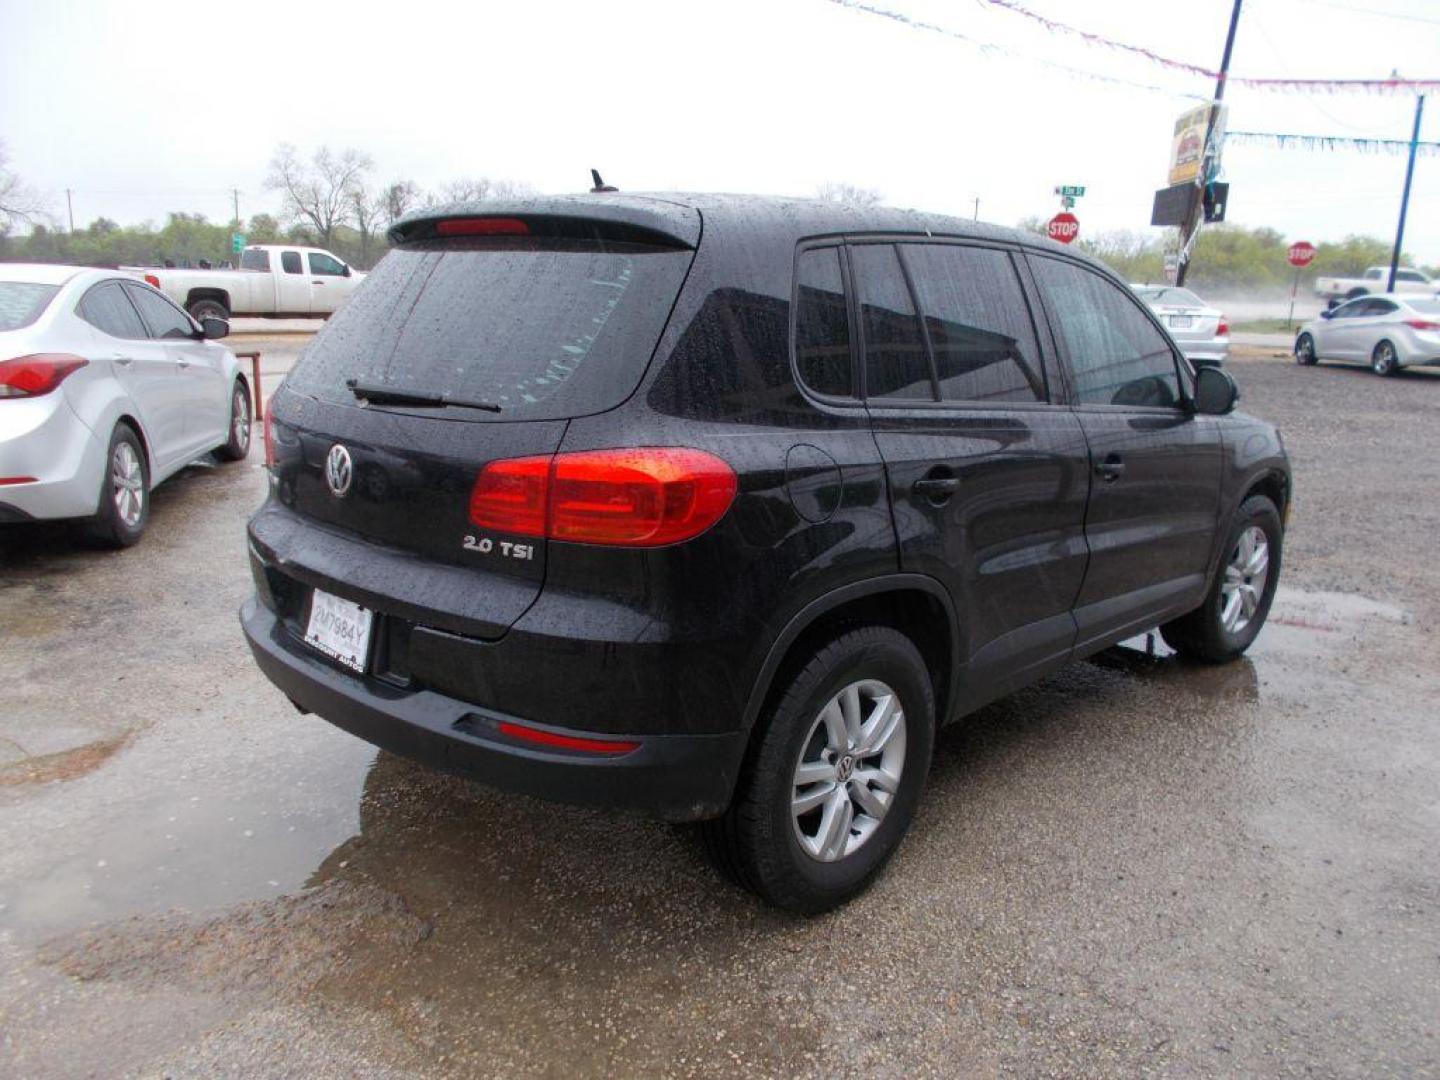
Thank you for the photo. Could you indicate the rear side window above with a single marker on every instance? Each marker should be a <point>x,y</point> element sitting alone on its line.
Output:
<point>544,328</point>
<point>251,259</point>
<point>896,364</point>
<point>106,308</point>
<point>1116,354</point>
<point>164,319</point>
<point>290,262</point>
<point>978,322</point>
<point>21,302</point>
<point>822,326</point>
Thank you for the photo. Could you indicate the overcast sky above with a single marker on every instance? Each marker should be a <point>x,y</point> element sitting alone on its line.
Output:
<point>144,107</point>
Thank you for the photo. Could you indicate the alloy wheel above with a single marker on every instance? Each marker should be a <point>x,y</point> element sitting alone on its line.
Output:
<point>1245,577</point>
<point>127,484</point>
<point>1383,362</point>
<point>240,421</point>
<point>849,770</point>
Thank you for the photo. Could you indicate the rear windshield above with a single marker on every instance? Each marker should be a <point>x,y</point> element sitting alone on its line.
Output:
<point>542,328</point>
<point>1169,294</point>
<point>21,302</point>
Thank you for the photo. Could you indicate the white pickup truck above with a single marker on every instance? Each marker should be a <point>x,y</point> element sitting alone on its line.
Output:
<point>1374,280</point>
<point>275,281</point>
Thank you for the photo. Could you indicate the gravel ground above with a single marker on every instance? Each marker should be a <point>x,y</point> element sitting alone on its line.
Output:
<point>1135,868</point>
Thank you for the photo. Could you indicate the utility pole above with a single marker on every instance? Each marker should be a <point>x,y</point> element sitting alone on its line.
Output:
<point>70,206</point>
<point>236,193</point>
<point>977,207</point>
<point>1192,216</point>
<point>1405,198</point>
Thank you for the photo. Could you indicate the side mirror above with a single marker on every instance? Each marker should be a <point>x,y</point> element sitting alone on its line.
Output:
<point>1327,314</point>
<point>1215,392</point>
<point>346,271</point>
<point>213,328</point>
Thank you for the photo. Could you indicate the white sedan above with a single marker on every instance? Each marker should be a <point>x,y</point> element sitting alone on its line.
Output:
<point>1200,330</point>
<point>106,389</point>
<point>1387,332</point>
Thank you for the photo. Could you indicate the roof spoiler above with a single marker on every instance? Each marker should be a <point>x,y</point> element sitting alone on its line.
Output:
<point>616,220</point>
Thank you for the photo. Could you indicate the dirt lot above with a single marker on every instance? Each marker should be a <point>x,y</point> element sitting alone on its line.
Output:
<point>1134,868</point>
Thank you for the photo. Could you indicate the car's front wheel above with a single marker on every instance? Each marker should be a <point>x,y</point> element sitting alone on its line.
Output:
<point>124,491</point>
<point>1238,602</point>
<point>1305,350</point>
<point>237,442</point>
<point>834,776</point>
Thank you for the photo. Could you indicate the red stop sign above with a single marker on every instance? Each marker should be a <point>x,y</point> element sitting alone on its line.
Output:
<point>1301,254</point>
<point>1063,227</point>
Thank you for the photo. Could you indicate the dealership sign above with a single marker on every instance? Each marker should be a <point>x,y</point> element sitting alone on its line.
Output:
<point>1187,143</point>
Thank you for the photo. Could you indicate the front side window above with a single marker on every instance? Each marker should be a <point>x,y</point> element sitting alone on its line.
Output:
<point>322,264</point>
<point>896,363</point>
<point>1409,275</point>
<point>290,262</point>
<point>106,309</point>
<point>822,326</point>
<point>1116,354</point>
<point>978,323</point>
<point>165,320</point>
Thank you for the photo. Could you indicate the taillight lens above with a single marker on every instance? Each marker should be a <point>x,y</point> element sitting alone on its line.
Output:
<point>268,429</point>
<point>152,281</point>
<point>1422,324</point>
<point>31,376</point>
<point>1223,330</point>
<point>640,497</point>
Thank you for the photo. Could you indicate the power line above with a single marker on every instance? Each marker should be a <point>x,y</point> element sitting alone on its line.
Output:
<point>1374,11</point>
<point>1286,141</point>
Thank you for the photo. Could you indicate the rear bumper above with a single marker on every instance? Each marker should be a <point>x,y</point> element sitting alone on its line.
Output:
<point>44,439</point>
<point>1213,352</point>
<point>674,777</point>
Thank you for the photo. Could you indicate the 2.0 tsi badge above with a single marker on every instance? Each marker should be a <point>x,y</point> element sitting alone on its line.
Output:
<point>339,472</point>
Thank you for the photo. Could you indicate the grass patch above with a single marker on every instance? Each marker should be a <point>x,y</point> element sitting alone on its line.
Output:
<point>1266,326</point>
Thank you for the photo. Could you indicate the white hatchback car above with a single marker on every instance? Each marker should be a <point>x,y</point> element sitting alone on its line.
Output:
<point>106,389</point>
<point>1387,332</point>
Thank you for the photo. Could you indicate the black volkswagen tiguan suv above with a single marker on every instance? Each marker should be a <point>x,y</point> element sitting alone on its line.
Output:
<point>716,507</point>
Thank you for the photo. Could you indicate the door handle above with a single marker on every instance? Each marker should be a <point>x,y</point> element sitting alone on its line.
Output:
<point>936,487</point>
<point>1112,468</point>
<point>123,361</point>
<point>317,283</point>
<point>182,363</point>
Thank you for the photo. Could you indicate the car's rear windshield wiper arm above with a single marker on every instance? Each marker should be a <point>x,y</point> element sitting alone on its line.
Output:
<point>388,395</point>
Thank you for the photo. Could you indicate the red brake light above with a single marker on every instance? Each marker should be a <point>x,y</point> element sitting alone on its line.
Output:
<point>640,497</point>
<point>566,742</point>
<point>16,480</point>
<point>152,281</point>
<point>31,376</point>
<point>1223,330</point>
<point>1422,324</point>
<point>493,226</point>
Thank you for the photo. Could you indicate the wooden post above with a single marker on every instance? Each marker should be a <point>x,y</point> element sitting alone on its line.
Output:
<point>254,358</point>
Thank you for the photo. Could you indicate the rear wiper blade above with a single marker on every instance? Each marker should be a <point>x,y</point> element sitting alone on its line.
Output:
<point>388,395</point>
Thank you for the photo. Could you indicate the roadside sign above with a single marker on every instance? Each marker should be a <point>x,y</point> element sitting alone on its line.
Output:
<point>1063,227</point>
<point>237,243</point>
<point>1171,203</point>
<point>1172,268</point>
<point>1187,143</point>
<point>1301,254</point>
<point>1068,202</point>
<point>1072,191</point>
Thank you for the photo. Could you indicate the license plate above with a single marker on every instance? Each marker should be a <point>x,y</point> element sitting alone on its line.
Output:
<point>339,629</point>
<point>1181,322</point>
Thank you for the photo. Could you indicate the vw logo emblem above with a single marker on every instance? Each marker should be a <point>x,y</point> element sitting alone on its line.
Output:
<point>338,470</point>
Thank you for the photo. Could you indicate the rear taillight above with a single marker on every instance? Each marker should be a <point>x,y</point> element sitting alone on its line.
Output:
<point>640,497</point>
<point>1422,324</point>
<point>268,434</point>
<point>152,281</point>
<point>566,742</point>
<point>31,376</point>
<point>1223,330</point>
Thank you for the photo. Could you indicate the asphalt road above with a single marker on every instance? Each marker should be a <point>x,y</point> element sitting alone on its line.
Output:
<point>1135,868</point>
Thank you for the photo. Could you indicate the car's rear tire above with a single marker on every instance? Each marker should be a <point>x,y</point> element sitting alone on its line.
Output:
<point>1305,350</point>
<point>124,506</point>
<point>856,783</point>
<point>237,444</point>
<point>1239,598</point>
<point>201,310</point>
<point>1384,360</point>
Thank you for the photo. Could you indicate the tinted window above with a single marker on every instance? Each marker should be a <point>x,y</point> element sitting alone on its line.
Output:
<point>21,302</point>
<point>1381,307</point>
<point>321,263</point>
<point>822,328</point>
<point>896,365</point>
<point>1170,296</point>
<point>1117,355</point>
<point>254,260</point>
<point>1409,275</point>
<point>544,328</point>
<point>163,318</point>
<point>106,308</point>
<point>290,262</point>
<point>1350,309</point>
<point>978,322</point>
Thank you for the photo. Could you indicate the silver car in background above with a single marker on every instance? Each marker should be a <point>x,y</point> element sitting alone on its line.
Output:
<point>106,389</point>
<point>1387,332</point>
<point>1199,329</point>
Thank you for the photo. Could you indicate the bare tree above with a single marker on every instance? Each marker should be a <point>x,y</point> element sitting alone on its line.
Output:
<point>479,189</point>
<point>320,193</point>
<point>850,194</point>
<point>19,203</point>
<point>398,199</point>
